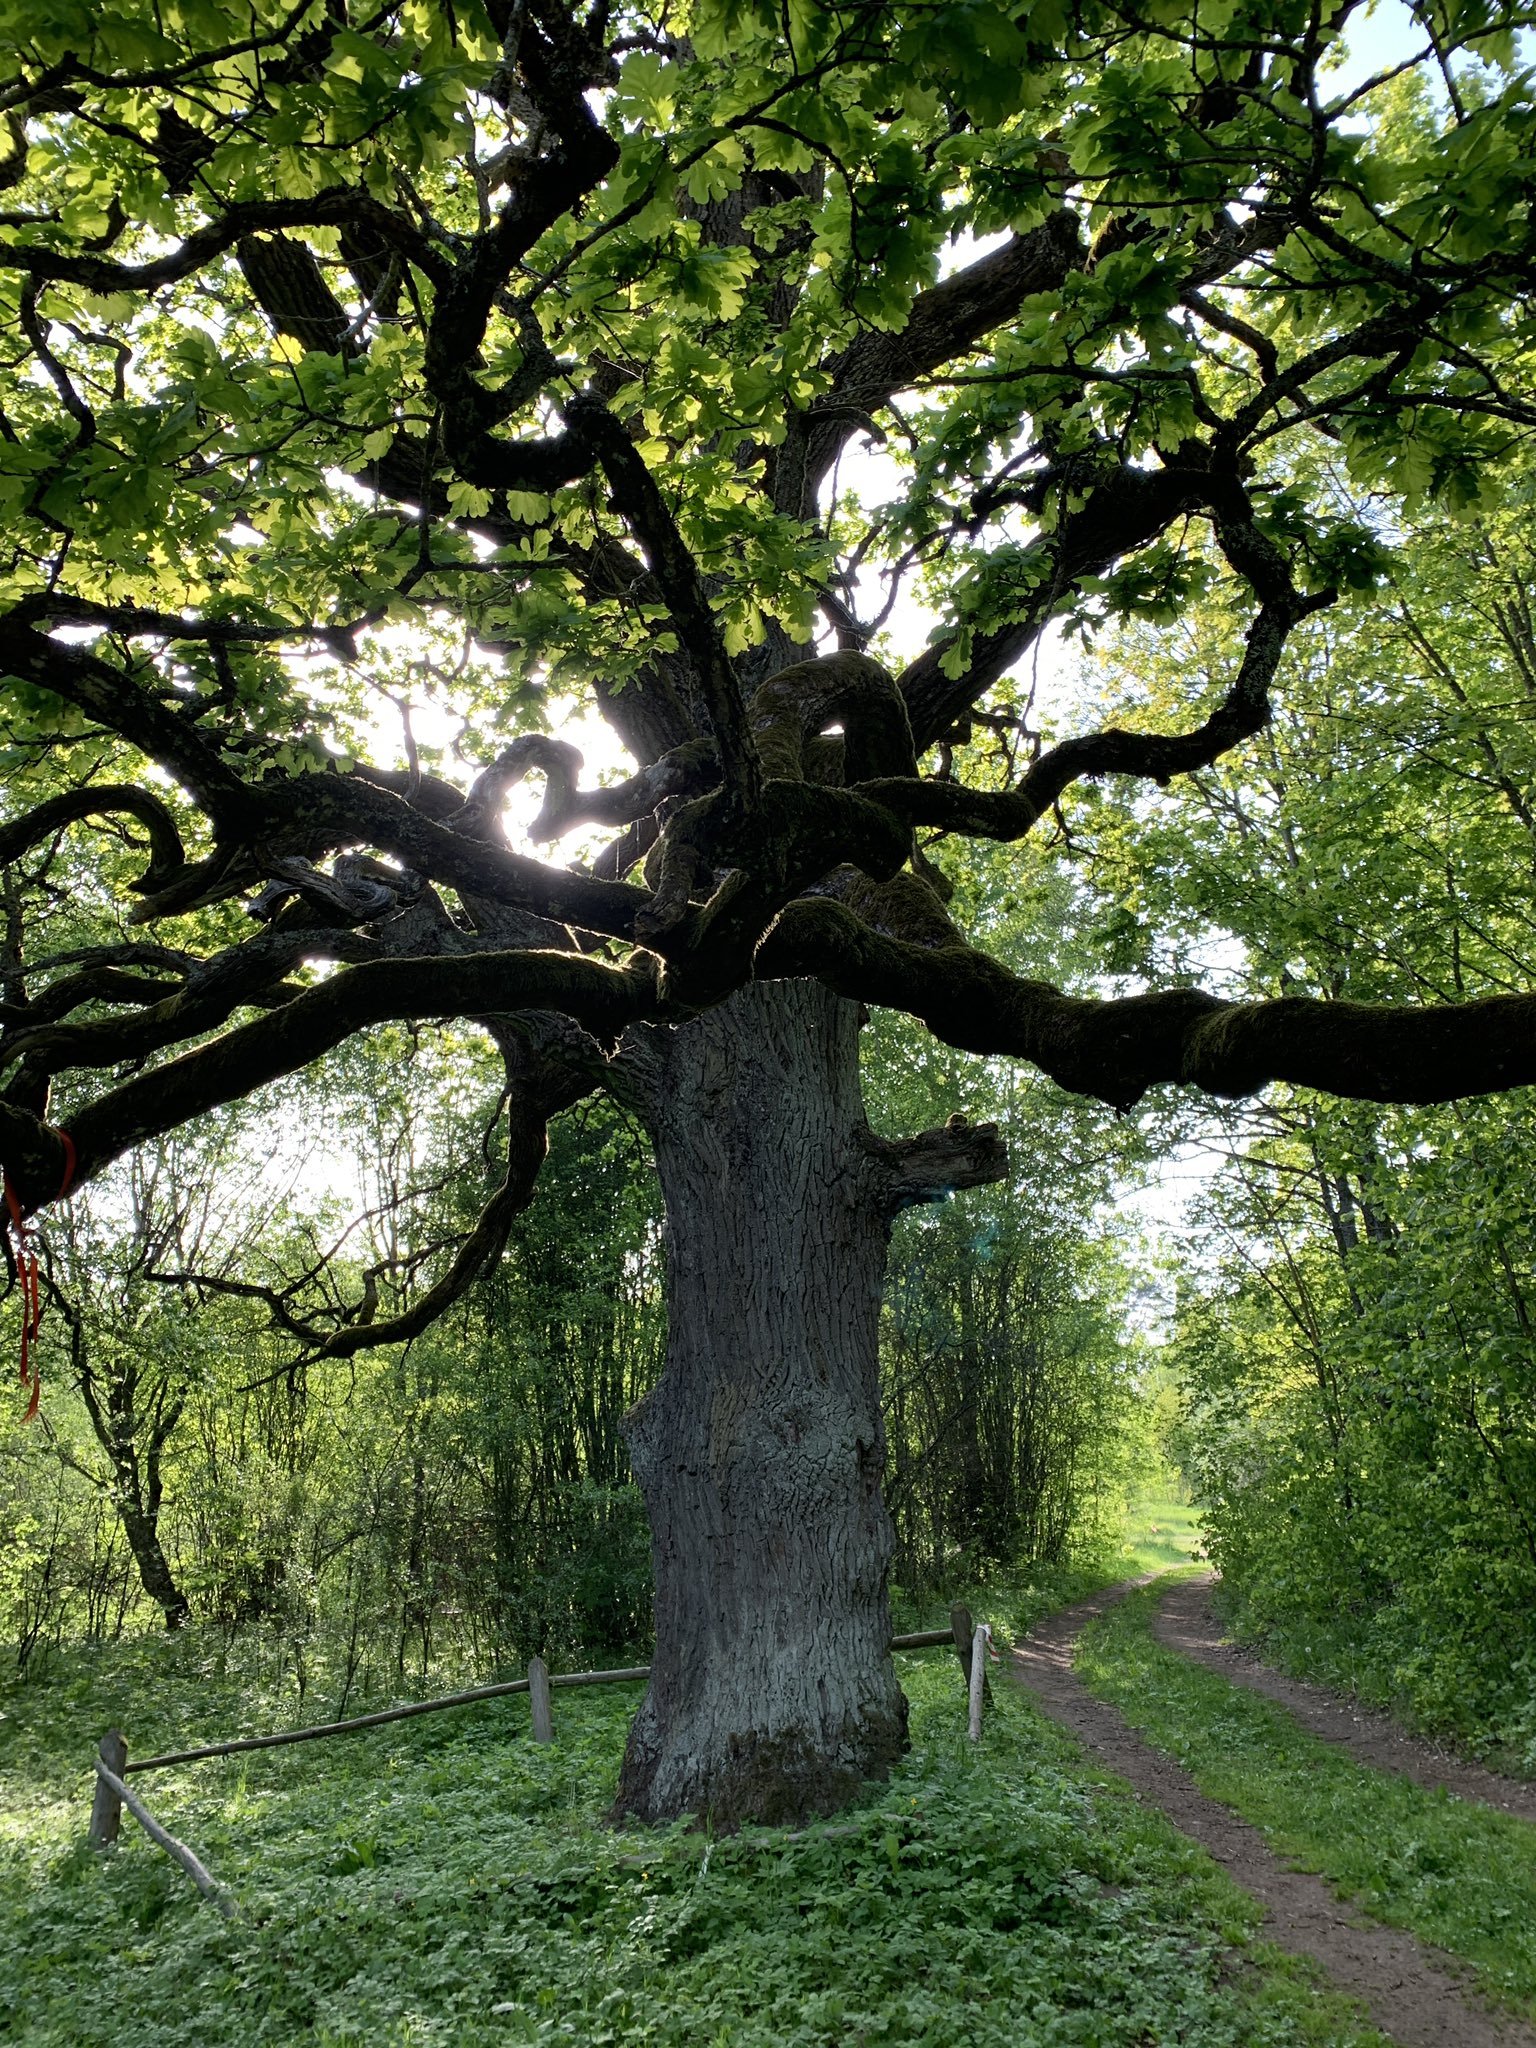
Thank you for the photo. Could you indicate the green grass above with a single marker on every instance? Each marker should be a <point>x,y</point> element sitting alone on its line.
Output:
<point>1451,1871</point>
<point>1161,1532</point>
<point>1158,1531</point>
<point>447,1881</point>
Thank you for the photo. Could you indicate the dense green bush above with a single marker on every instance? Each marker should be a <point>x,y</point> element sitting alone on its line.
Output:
<point>1361,1423</point>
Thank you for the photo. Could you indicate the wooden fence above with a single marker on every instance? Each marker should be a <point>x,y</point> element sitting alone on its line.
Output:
<point>113,1765</point>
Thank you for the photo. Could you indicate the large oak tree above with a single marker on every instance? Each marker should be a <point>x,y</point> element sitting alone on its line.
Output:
<point>517,352</point>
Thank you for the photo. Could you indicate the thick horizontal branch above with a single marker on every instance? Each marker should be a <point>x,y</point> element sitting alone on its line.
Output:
<point>99,273</point>
<point>317,813</point>
<point>604,999</point>
<point>1117,1050</point>
<point>251,973</point>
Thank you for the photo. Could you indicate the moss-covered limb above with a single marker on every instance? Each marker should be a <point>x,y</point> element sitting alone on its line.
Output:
<point>846,688</point>
<point>687,771</point>
<point>312,815</point>
<point>603,999</point>
<point>798,835</point>
<point>1117,1049</point>
<point>205,1000</point>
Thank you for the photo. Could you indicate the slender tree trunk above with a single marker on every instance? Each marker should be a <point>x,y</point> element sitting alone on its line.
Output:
<point>142,1529</point>
<point>759,1452</point>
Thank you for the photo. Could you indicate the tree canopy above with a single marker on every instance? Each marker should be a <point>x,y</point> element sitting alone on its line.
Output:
<point>515,354</point>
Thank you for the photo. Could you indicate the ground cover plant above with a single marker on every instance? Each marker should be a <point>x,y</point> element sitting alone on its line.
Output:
<point>445,364</point>
<point>1455,1873</point>
<point>450,1881</point>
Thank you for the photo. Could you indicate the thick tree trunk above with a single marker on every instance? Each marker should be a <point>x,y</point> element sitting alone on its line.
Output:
<point>760,1450</point>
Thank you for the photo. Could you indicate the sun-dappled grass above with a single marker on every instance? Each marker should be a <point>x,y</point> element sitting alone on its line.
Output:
<point>1160,1532</point>
<point>1453,1872</point>
<point>447,1880</point>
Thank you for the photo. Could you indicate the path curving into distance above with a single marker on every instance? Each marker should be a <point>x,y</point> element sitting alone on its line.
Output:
<point>1409,1990</point>
<point>1185,1623</point>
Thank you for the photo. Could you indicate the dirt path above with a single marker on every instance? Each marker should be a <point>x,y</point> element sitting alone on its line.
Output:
<point>1184,1622</point>
<point>1408,1990</point>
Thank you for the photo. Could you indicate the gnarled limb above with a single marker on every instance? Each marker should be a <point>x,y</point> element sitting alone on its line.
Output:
<point>685,771</point>
<point>1117,1049</point>
<point>847,688</point>
<point>102,800</point>
<point>1010,814</point>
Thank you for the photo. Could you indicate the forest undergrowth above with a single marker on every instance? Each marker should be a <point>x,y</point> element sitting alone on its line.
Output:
<point>449,1880</point>
<point>1451,1871</point>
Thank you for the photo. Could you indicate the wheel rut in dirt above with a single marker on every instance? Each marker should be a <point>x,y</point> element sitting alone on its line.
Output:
<point>1409,1991</point>
<point>1186,1623</point>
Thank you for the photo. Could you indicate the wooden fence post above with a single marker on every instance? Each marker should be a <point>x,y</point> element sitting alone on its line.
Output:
<point>107,1807</point>
<point>979,1643</point>
<point>538,1700</point>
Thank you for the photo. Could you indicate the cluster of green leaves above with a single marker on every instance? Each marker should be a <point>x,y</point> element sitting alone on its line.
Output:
<point>211,473</point>
<point>1456,1873</point>
<point>448,1880</point>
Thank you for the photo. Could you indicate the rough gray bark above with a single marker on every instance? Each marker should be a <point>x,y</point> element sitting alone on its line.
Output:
<point>759,1452</point>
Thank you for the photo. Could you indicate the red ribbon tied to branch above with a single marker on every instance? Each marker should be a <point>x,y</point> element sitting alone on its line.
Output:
<point>27,1275</point>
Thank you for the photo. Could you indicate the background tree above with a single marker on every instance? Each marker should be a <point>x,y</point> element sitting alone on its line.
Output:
<point>543,333</point>
<point>1354,1331</point>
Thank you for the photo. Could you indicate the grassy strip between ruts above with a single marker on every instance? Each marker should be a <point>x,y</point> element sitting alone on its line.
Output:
<point>1454,1873</point>
<point>447,1880</point>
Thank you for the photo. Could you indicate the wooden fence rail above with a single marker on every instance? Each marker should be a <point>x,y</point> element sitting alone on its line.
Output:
<point>631,1674</point>
<point>113,1766</point>
<point>119,1796</point>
